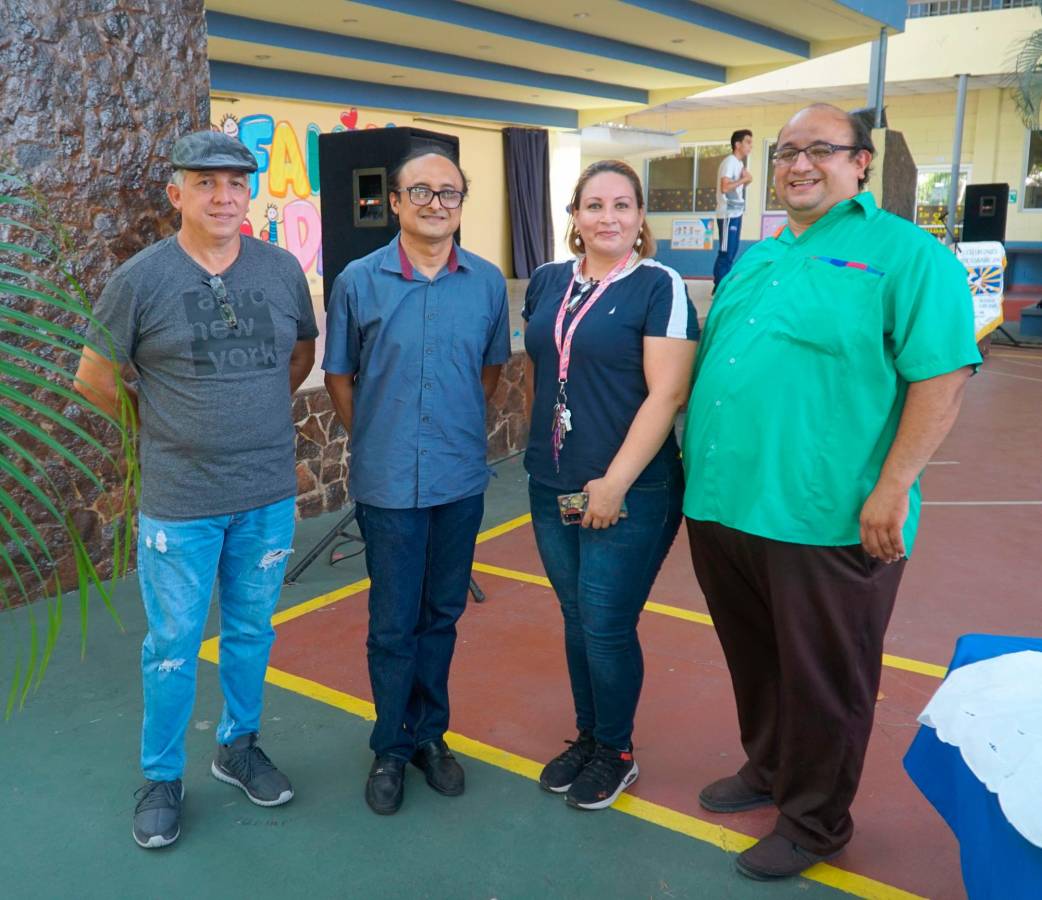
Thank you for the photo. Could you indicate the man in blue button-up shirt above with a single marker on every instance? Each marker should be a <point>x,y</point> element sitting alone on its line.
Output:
<point>416,335</point>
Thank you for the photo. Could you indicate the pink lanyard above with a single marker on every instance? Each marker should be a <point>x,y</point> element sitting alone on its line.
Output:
<point>562,416</point>
<point>564,348</point>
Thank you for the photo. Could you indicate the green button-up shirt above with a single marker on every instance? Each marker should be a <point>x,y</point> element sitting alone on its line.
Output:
<point>803,368</point>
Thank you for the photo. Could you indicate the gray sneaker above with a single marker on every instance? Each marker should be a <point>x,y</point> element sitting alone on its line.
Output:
<point>157,816</point>
<point>245,765</point>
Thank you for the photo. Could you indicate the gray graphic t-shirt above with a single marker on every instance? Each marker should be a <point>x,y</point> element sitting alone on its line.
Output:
<point>216,424</point>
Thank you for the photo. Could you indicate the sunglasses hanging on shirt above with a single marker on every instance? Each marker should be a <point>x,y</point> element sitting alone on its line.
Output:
<point>220,293</point>
<point>580,295</point>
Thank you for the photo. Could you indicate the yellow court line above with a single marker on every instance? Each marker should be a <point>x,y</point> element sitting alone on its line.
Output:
<point>504,528</point>
<point>512,574</point>
<point>677,612</point>
<point>208,651</point>
<point>301,609</point>
<point>725,838</point>
<point>209,648</point>
<point>689,615</point>
<point>914,665</point>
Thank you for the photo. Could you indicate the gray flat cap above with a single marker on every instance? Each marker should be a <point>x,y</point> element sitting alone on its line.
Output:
<point>211,150</point>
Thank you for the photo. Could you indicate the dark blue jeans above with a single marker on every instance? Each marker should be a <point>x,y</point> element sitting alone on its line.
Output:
<point>725,258</point>
<point>419,562</point>
<point>602,579</point>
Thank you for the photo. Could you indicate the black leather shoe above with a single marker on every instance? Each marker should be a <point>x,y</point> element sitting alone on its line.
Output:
<point>436,761</point>
<point>385,786</point>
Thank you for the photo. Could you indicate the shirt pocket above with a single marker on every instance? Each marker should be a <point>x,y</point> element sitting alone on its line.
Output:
<point>830,307</point>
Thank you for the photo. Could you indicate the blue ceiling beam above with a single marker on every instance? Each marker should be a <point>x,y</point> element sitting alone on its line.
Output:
<point>891,13</point>
<point>516,28</point>
<point>705,17</point>
<point>237,79</point>
<point>272,34</point>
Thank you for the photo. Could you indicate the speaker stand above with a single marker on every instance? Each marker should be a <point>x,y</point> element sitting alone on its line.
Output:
<point>340,531</point>
<point>1009,337</point>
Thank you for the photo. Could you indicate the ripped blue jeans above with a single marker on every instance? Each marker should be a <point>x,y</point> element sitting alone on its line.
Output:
<point>178,563</point>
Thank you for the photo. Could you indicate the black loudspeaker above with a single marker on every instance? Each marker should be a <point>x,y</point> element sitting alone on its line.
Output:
<point>353,168</point>
<point>985,215</point>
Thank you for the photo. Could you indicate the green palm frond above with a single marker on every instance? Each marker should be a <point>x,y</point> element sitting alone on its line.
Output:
<point>45,427</point>
<point>1025,80</point>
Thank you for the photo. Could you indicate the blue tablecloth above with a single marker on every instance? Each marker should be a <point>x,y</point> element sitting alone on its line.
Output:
<point>996,860</point>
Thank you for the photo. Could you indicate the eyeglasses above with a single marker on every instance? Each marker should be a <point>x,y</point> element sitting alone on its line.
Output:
<point>220,293</point>
<point>816,153</point>
<point>422,196</point>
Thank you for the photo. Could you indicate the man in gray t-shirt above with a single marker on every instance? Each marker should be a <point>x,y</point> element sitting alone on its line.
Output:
<point>217,331</point>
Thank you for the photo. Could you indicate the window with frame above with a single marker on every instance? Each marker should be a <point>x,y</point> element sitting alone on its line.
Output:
<point>1033,172</point>
<point>686,182</point>
<point>931,198</point>
<point>771,203</point>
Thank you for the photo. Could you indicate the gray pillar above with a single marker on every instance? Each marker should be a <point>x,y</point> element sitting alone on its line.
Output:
<point>953,188</point>
<point>877,77</point>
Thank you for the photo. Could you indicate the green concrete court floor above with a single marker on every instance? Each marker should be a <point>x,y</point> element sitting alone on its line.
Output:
<point>70,769</point>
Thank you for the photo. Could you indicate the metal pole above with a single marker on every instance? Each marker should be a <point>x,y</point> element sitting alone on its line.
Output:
<point>877,77</point>
<point>953,188</point>
<point>873,75</point>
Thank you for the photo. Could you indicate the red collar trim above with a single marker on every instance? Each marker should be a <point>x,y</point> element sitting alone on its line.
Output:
<point>407,270</point>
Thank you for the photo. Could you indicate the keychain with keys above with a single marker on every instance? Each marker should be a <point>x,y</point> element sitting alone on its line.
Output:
<point>562,424</point>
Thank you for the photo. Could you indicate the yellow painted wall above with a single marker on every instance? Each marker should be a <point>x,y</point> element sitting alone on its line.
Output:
<point>993,144</point>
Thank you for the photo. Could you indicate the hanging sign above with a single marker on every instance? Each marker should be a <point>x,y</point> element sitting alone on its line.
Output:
<point>985,262</point>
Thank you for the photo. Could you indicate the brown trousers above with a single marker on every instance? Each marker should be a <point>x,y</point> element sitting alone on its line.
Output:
<point>802,630</point>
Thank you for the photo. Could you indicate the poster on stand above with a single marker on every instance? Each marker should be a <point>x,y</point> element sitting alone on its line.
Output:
<point>985,262</point>
<point>692,234</point>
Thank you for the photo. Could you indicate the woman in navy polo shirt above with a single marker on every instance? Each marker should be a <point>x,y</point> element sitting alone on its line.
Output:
<point>611,341</point>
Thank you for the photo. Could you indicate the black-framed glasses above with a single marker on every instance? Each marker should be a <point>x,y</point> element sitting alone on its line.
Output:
<point>220,294</point>
<point>421,195</point>
<point>817,152</point>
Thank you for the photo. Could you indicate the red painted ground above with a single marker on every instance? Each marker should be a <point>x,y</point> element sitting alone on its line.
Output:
<point>975,569</point>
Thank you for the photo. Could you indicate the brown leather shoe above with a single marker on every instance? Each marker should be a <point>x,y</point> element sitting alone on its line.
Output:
<point>777,857</point>
<point>731,794</point>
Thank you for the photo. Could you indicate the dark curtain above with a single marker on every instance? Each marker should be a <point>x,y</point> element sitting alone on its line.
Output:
<point>527,153</point>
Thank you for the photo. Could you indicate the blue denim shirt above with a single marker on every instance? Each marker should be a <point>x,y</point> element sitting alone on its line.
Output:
<point>417,347</point>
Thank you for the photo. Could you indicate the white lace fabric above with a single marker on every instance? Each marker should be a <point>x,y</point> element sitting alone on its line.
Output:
<point>992,711</point>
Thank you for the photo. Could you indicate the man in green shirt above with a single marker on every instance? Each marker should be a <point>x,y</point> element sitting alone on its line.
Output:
<point>831,368</point>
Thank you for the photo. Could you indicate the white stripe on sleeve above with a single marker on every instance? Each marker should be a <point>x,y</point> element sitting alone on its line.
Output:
<point>681,310</point>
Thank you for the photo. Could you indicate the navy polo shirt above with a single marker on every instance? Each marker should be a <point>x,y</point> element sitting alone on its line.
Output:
<point>417,346</point>
<point>606,383</point>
